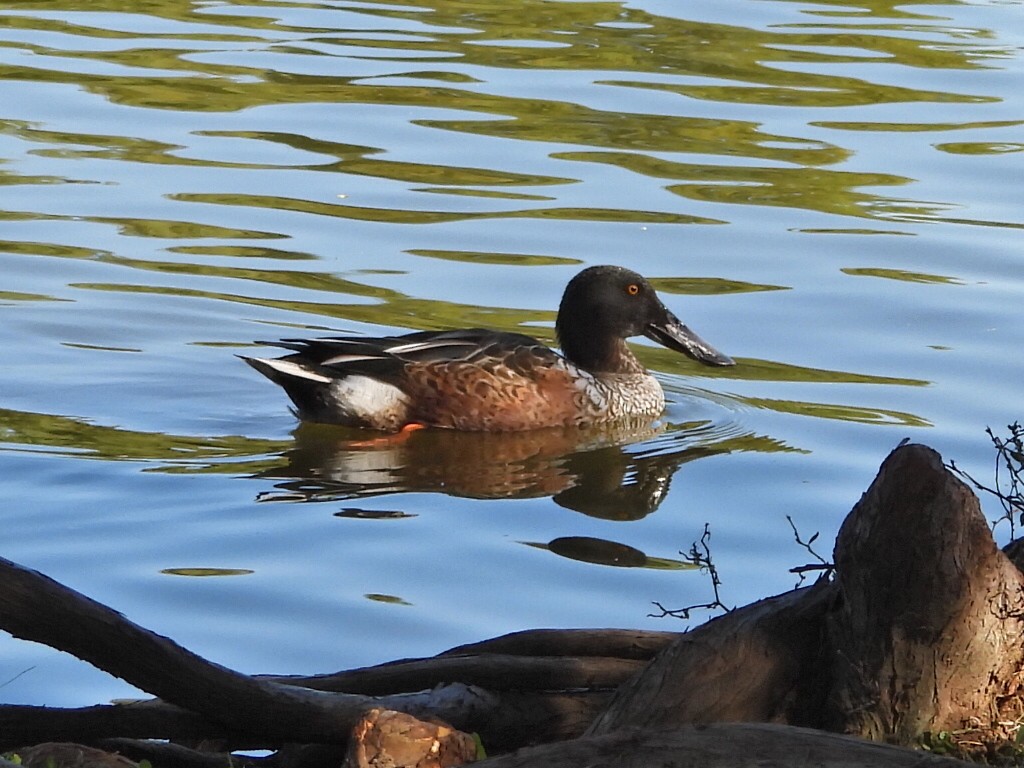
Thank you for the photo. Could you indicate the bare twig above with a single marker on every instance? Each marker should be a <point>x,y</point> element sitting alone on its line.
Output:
<point>699,555</point>
<point>1009,476</point>
<point>822,564</point>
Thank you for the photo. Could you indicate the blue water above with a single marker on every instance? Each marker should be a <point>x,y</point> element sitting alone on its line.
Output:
<point>828,193</point>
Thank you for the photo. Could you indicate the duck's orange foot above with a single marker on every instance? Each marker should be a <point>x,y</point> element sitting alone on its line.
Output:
<point>388,441</point>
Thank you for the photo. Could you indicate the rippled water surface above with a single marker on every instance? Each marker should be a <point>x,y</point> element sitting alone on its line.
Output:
<point>829,192</point>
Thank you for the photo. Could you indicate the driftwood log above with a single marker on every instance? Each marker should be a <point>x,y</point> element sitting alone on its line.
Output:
<point>916,636</point>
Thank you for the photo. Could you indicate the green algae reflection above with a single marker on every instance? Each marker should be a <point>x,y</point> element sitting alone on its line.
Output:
<point>436,57</point>
<point>902,275</point>
<point>66,436</point>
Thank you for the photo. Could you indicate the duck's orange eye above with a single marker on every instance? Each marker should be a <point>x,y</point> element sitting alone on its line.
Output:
<point>632,289</point>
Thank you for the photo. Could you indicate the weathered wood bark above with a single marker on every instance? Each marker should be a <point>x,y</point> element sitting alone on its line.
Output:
<point>494,671</point>
<point>509,721</point>
<point>615,643</point>
<point>756,664</point>
<point>551,699</point>
<point>21,725</point>
<point>927,635</point>
<point>722,745</point>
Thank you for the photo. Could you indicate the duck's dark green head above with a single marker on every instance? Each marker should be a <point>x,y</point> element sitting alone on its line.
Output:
<point>604,305</point>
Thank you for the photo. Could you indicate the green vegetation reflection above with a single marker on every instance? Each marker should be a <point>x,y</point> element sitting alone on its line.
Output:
<point>66,436</point>
<point>499,259</point>
<point>840,412</point>
<point>436,56</point>
<point>9,297</point>
<point>901,274</point>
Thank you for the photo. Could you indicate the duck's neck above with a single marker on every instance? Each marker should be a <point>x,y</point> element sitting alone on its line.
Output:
<point>610,355</point>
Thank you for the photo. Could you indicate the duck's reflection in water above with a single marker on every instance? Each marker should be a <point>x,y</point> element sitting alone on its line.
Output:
<point>587,470</point>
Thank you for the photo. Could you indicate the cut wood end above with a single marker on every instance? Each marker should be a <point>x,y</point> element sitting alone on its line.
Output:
<point>384,737</point>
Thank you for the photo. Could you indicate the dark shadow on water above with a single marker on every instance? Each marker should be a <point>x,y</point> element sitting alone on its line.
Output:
<point>588,549</point>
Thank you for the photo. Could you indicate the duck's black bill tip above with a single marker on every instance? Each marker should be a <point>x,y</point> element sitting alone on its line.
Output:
<point>678,337</point>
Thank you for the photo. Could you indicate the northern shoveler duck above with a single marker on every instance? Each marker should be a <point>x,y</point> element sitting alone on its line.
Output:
<point>490,380</point>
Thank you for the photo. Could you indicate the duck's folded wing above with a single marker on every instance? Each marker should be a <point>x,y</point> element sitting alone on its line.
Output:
<point>384,355</point>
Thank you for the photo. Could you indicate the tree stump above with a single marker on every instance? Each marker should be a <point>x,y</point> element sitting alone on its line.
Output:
<point>919,632</point>
<point>926,635</point>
